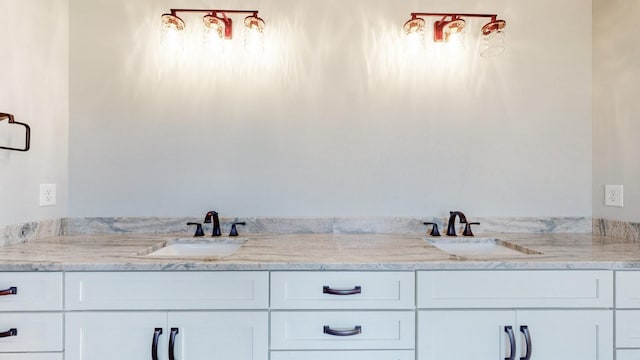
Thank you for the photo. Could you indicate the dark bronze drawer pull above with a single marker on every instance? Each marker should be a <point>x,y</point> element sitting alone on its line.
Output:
<point>172,343</point>
<point>11,332</point>
<point>10,291</point>
<point>154,343</point>
<point>355,331</point>
<point>527,338</point>
<point>512,342</point>
<point>329,290</point>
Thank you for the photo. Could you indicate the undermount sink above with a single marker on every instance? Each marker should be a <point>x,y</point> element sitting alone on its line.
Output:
<point>191,247</point>
<point>480,247</point>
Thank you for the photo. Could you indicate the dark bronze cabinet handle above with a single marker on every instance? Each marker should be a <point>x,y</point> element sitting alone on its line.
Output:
<point>512,342</point>
<point>10,291</point>
<point>172,343</point>
<point>355,331</point>
<point>330,291</point>
<point>154,344</point>
<point>527,338</point>
<point>11,332</point>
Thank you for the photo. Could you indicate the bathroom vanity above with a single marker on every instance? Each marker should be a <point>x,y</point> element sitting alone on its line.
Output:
<point>337,296</point>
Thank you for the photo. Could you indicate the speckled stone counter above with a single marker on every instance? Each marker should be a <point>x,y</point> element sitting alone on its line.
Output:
<point>125,252</point>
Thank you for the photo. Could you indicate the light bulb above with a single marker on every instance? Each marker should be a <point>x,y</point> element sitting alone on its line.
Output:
<point>214,30</point>
<point>172,27</point>
<point>454,34</point>
<point>254,34</point>
<point>414,31</point>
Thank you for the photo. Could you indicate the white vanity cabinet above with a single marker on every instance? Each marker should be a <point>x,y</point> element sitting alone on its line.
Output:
<point>510,315</point>
<point>342,315</point>
<point>167,315</point>
<point>232,335</point>
<point>31,316</point>
<point>319,315</point>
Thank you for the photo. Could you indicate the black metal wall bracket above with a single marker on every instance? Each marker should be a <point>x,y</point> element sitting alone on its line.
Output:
<point>27,142</point>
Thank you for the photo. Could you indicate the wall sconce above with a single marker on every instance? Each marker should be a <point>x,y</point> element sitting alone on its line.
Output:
<point>217,26</point>
<point>451,27</point>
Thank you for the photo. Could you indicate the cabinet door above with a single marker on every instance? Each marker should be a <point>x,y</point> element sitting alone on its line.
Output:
<point>464,335</point>
<point>567,334</point>
<point>220,335</point>
<point>114,335</point>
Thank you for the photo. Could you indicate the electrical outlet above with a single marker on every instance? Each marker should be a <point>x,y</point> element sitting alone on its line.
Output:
<point>613,195</point>
<point>47,194</point>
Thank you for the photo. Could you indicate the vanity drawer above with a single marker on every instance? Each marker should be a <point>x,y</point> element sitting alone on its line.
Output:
<point>33,332</point>
<point>164,290</point>
<point>628,328</point>
<point>515,289</point>
<point>30,291</point>
<point>342,290</point>
<point>627,354</point>
<point>34,356</point>
<point>628,289</point>
<point>344,355</point>
<point>361,330</point>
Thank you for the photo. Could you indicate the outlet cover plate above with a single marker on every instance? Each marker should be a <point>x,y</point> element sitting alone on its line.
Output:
<point>613,195</point>
<point>47,194</point>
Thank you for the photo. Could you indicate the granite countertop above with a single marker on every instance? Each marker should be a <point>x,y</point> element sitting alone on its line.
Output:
<point>120,252</point>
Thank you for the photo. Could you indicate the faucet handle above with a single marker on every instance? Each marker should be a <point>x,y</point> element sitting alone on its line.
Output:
<point>467,229</point>
<point>234,231</point>
<point>434,229</point>
<point>199,231</point>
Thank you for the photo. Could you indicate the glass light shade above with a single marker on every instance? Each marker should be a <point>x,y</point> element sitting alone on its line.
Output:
<point>172,27</point>
<point>254,34</point>
<point>414,31</point>
<point>214,30</point>
<point>454,35</point>
<point>450,34</point>
<point>454,30</point>
<point>171,21</point>
<point>493,39</point>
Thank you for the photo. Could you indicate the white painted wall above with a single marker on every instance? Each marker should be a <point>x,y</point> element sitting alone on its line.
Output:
<point>616,109</point>
<point>34,77</point>
<point>334,119</point>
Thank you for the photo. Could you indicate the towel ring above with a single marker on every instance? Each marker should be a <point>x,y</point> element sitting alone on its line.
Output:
<point>27,141</point>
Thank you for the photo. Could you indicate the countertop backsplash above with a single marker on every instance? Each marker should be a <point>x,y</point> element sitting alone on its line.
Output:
<point>331,225</point>
<point>626,230</point>
<point>20,233</point>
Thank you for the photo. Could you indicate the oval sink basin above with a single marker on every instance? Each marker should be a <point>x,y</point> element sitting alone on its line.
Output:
<point>191,247</point>
<point>480,247</point>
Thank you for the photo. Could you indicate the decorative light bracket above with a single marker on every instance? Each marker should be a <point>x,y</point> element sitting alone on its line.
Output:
<point>216,19</point>
<point>453,23</point>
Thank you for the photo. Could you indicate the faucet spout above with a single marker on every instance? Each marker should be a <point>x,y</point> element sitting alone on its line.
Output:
<point>451,226</point>
<point>212,216</point>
